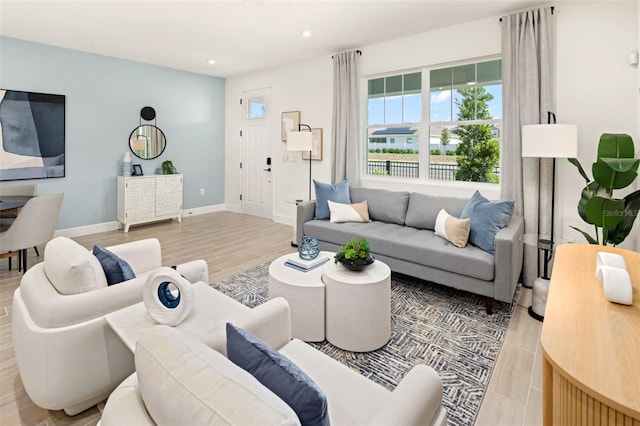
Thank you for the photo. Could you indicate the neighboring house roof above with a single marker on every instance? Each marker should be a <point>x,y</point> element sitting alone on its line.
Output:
<point>396,131</point>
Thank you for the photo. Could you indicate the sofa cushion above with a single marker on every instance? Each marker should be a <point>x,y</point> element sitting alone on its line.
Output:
<point>116,269</point>
<point>185,382</point>
<point>420,246</point>
<point>71,268</point>
<point>384,205</point>
<point>338,193</point>
<point>452,229</point>
<point>424,208</point>
<point>487,218</point>
<point>279,374</point>
<point>357,212</point>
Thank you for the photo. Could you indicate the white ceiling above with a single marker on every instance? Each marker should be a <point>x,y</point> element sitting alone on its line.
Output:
<point>241,36</point>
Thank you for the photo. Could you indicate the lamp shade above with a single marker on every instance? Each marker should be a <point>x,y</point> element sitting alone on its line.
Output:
<point>299,141</point>
<point>550,140</point>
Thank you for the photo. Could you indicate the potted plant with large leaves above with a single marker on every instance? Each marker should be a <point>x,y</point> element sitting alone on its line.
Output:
<point>615,168</point>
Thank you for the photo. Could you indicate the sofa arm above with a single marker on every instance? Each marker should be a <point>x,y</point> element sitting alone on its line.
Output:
<point>270,322</point>
<point>508,259</point>
<point>125,406</point>
<point>194,271</point>
<point>417,400</point>
<point>50,309</point>
<point>142,255</point>
<point>306,211</point>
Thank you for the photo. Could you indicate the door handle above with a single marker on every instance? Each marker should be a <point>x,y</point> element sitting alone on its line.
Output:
<point>267,170</point>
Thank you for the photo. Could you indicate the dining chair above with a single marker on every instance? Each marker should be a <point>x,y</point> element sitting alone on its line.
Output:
<point>22,189</point>
<point>7,218</point>
<point>34,226</point>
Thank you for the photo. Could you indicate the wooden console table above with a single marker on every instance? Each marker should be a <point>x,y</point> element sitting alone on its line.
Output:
<point>591,347</point>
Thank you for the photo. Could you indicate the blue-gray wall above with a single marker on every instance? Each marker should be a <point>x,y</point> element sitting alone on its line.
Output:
<point>103,100</point>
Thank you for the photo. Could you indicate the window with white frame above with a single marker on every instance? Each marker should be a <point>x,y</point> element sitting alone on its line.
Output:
<point>457,108</point>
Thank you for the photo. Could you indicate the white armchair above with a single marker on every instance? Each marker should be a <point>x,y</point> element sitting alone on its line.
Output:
<point>67,355</point>
<point>182,380</point>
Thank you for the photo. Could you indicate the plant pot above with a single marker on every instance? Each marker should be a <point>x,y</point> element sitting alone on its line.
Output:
<point>358,264</point>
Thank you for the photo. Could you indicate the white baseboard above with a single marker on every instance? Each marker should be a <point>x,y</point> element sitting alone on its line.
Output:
<point>79,231</point>
<point>233,208</point>
<point>202,210</point>
<point>115,225</point>
<point>286,220</point>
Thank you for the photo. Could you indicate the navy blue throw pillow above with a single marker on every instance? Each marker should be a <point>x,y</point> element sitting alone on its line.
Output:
<point>278,374</point>
<point>115,268</point>
<point>486,219</point>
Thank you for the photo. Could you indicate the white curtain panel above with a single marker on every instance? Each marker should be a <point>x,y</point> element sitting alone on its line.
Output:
<point>346,118</point>
<point>527,79</point>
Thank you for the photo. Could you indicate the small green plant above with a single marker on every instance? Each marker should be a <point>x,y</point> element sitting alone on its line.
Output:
<point>354,249</point>
<point>167,167</point>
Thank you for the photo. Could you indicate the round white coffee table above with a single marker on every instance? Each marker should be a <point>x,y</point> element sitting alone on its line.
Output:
<point>305,293</point>
<point>358,306</point>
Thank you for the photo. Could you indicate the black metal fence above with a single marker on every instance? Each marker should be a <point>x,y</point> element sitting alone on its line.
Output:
<point>438,171</point>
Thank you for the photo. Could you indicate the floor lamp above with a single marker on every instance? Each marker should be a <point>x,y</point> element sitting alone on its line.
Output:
<point>301,141</point>
<point>547,141</point>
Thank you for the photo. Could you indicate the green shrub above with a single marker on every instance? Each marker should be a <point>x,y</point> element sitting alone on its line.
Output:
<point>378,172</point>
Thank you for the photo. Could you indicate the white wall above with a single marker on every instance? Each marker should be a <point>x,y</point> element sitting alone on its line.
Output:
<point>305,87</point>
<point>596,89</point>
<point>308,87</point>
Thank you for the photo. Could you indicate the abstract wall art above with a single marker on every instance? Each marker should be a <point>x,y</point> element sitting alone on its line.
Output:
<point>32,135</point>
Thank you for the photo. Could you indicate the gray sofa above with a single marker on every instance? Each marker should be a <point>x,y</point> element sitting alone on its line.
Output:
<point>401,234</point>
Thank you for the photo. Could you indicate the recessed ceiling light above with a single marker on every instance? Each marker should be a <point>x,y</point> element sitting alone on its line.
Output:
<point>470,83</point>
<point>211,61</point>
<point>306,34</point>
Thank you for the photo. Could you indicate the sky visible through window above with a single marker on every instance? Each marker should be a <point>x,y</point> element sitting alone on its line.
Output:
<point>408,108</point>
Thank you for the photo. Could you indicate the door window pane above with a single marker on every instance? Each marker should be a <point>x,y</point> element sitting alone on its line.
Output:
<point>257,108</point>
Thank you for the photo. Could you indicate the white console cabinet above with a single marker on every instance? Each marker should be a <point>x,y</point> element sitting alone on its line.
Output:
<point>143,199</point>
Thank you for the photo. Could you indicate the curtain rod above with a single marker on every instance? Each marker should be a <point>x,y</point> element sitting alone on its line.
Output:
<point>357,51</point>
<point>552,7</point>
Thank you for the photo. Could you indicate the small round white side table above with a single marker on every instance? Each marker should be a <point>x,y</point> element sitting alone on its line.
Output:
<point>358,306</point>
<point>304,291</point>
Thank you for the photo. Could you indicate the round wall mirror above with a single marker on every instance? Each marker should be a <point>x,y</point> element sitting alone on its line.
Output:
<point>147,142</point>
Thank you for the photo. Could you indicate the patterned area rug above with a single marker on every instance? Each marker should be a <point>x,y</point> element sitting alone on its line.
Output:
<point>444,328</point>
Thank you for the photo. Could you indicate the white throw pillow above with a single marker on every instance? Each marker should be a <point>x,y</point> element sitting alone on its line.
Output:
<point>71,268</point>
<point>452,229</point>
<point>358,212</point>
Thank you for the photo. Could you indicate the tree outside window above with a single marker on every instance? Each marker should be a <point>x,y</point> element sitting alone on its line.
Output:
<point>479,152</point>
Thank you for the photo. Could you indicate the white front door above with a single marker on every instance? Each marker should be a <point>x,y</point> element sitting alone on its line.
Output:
<point>255,141</point>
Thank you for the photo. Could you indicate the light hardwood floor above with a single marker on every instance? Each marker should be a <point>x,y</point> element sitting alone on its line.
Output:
<point>231,243</point>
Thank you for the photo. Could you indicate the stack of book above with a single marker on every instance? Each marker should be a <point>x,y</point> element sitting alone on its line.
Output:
<point>305,265</point>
